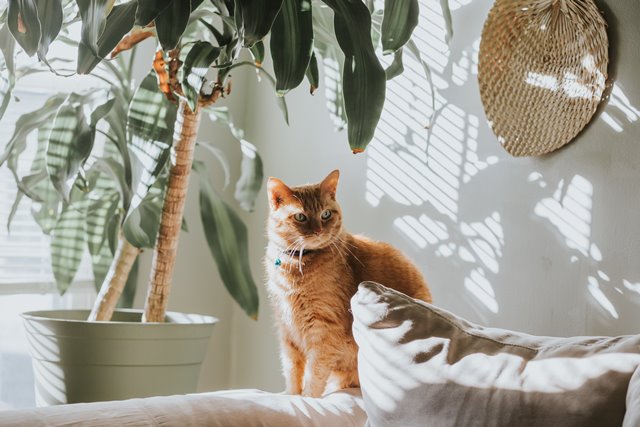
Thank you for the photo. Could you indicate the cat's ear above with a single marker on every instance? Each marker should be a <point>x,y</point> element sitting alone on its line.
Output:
<point>330,184</point>
<point>279,193</point>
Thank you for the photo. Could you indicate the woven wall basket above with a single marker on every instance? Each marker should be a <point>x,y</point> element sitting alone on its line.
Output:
<point>542,71</point>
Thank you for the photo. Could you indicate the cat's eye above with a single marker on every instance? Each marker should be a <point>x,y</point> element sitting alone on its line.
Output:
<point>325,215</point>
<point>300,217</point>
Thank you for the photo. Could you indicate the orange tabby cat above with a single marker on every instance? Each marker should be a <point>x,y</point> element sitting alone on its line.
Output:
<point>314,267</point>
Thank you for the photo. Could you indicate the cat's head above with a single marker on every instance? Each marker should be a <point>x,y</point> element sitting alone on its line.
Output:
<point>307,216</point>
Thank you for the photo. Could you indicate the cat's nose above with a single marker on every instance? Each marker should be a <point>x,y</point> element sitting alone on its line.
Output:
<point>317,231</point>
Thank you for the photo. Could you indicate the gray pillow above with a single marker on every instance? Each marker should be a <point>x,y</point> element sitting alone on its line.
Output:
<point>420,365</point>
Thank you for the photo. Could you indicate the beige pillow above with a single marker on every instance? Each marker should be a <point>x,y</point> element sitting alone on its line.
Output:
<point>420,365</point>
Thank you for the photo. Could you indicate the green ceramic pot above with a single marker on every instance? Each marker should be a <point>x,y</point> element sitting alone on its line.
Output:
<point>79,361</point>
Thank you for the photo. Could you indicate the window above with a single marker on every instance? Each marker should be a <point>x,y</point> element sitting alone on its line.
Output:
<point>26,280</point>
<point>25,262</point>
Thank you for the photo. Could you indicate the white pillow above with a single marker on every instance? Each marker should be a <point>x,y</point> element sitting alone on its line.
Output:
<point>423,366</point>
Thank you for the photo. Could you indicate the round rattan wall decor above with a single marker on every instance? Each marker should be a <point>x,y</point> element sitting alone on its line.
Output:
<point>542,70</point>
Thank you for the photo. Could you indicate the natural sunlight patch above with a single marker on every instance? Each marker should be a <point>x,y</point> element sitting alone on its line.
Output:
<point>486,240</point>
<point>428,159</point>
<point>620,102</point>
<point>422,231</point>
<point>480,288</point>
<point>594,289</point>
<point>569,210</point>
<point>633,287</point>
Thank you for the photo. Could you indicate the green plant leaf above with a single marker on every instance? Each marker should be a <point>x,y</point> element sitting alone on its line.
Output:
<point>251,169</point>
<point>69,138</point>
<point>7,67</point>
<point>448,25</point>
<point>115,171</point>
<point>141,225</point>
<point>227,239</point>
<point>29,122</point>
<point>45,205</point>
<point>251,176</point>
<point>219,155</point>
<point>413,48</point>
<point>99,214</point>
<point>119,22</point>
<point>291,44</point>
<point>117,121</point>
<point>50,16</point>
<point>254,19</point>
<point>46,213</point>
<point>94,19</point>
<point>196,64</point>
<point>150,122</point>
<point>171,23</point>
<point>29,183</point>
<point>396,68</point>
<point>72,137</point>
<point>220,38</point>
<point>195,4</point>
<point>23,22</point>
<point>377,15</point>
<point>400,19</point>
<point>113,232</point>
<point>257,52</point>
<point>68,242</point>
<point>363,78</point>
<point>224,7</point>
<point>313,75</point>
<point>150,130</point>
<point>148,10</point>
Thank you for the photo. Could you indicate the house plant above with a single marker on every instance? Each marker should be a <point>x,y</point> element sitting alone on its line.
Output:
<point>183,69</point>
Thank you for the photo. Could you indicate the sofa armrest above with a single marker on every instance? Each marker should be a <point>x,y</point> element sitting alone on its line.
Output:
<point>632,415</point>
<point>224,408</point>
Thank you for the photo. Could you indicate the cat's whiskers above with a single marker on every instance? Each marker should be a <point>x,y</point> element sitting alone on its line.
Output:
<point>340,252</point>
<point>299,242</point>
<point>291,247</point>
<point>346,247</point>
<point>300,260</point>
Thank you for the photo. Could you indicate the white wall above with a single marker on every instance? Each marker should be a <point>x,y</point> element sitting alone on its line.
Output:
<point>545,245</point>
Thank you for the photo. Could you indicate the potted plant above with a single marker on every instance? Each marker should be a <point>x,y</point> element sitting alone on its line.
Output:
<point>199,46</point>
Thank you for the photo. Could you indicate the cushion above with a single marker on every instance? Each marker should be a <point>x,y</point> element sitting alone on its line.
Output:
<point>245,408</point>
<point>420,365</point>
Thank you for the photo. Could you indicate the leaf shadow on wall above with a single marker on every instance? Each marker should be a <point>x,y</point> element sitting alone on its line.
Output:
<point>507,239</point>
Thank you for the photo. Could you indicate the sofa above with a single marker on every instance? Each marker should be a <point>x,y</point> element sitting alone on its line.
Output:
<point>419,365</point>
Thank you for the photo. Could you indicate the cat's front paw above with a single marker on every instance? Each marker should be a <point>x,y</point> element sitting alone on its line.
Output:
<point>314,390</point>
<point>293,391</point>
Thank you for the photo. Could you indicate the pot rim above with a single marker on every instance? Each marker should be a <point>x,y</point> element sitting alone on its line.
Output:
<point>202,319</point>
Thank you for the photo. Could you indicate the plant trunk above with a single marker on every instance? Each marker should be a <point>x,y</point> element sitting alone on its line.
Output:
<point>164,255</point>
<point>115,281</point>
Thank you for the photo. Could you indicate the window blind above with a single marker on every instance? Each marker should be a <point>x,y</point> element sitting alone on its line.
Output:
<point>25,261</point>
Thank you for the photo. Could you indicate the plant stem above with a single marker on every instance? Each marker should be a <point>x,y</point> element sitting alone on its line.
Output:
<point>115,281</point>
<point>164,255</point>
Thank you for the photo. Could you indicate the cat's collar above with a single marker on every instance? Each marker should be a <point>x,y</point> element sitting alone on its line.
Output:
<point>293,254</point>
<point>296,254</point>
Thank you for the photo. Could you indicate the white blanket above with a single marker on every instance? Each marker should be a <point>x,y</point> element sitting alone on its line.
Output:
<point>244,408</point>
